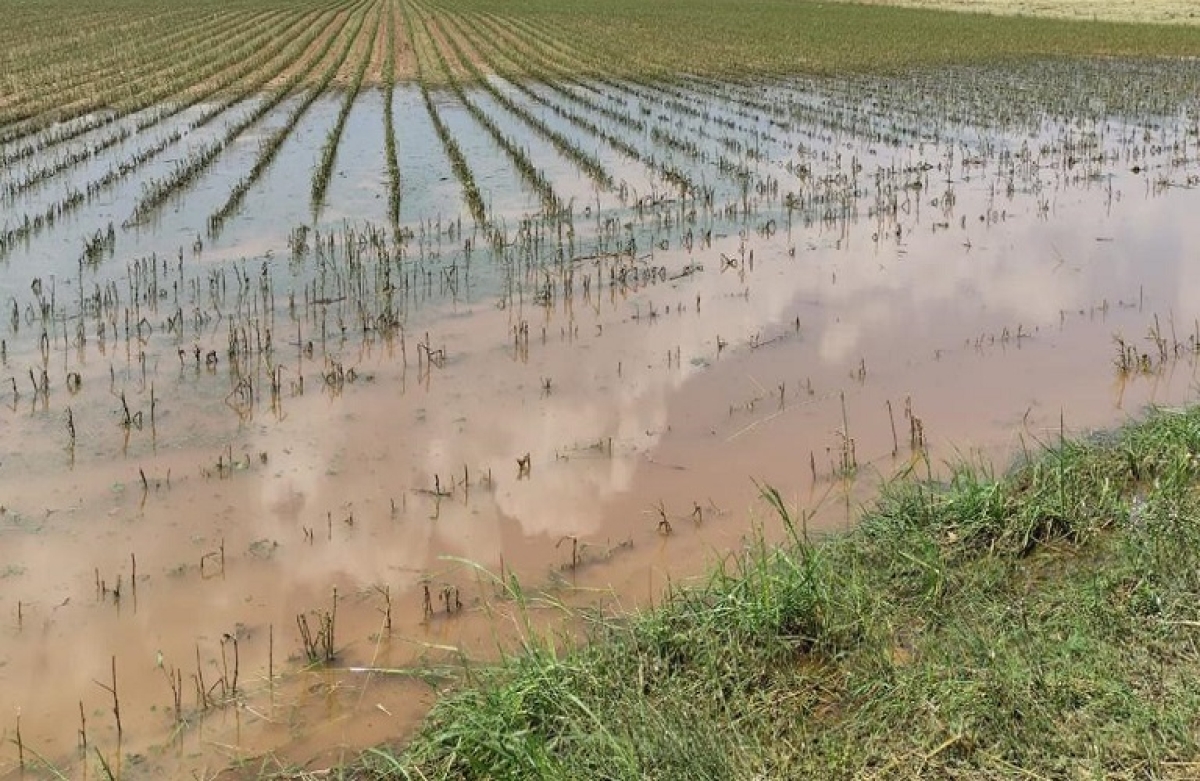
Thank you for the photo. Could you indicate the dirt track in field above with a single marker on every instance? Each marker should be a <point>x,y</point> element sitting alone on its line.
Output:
<point>1158,11</point>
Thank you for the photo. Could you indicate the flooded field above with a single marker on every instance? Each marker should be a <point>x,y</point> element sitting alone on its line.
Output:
<point>312,397</point>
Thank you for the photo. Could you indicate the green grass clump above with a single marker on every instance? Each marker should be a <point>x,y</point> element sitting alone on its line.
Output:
<point>1038,624</point>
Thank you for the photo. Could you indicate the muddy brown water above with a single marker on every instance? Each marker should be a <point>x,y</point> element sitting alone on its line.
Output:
<point>554,432</point>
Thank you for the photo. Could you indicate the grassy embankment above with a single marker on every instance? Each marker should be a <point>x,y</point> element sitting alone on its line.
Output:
<point>1043,623</point>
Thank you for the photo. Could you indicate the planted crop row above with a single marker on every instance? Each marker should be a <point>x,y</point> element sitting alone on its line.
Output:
<point>187,170</point>
<point>504,43</point>
<point>782,37</point>
<point>269,148</point>
<point>544,55</point>
<point>324,169</point>
<point>175,69</point>
<point>551,77</point>
<point>140,40</point>
<point>649,92</point>
<point>168,100</point>
<point>389,123</point>
<point>583,58</point>
<point>489,50</point>
<point>31,226</point>
<point>586,162</point>
<point>525,167</point>
<point>585,55</point>
<point>11,235</point>
<point>61,37</point>
<point>15,187</point>
<point>28,227</point>
<point>458,163</point>
<point>514,49</point>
